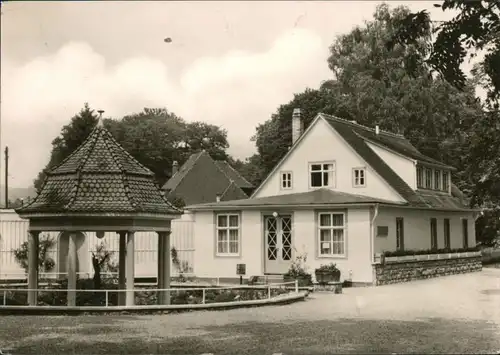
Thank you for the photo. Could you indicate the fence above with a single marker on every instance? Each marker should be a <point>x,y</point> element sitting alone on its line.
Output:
<point>148,296</point>
<point>14,232</point>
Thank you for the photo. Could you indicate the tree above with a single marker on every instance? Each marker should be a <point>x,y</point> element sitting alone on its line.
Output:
<point>71,137</point>
<point>251,169</point>
<point>45,262</point>
<point>372,85</point>
<point>154,136</point>
<point>475,28</point>
<point>101,261</point>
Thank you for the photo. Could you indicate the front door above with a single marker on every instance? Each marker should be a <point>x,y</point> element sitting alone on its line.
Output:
<point>278,238</point>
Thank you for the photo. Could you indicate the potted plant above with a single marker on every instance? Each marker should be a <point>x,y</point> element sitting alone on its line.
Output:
<point>298,271</point>
<point>327,273</point>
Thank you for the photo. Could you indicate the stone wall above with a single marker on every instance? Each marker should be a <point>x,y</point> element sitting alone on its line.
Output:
<point>409,270</point>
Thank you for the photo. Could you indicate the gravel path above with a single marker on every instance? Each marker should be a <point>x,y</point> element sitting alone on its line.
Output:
<point>445,315</point>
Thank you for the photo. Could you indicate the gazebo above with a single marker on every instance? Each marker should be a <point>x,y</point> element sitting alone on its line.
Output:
<point>101,188</point>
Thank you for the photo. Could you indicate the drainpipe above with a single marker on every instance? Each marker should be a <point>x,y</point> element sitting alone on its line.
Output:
<point>372,236</point>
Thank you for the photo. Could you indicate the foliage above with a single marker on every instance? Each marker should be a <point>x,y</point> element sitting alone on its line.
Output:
<point>182,266</point>
<point>45,263</point>
<point>155,137</point>
<point>488,228</point>
<point>328,268</point>
<point>251,168</point>
<point>177,202</point>
<point>298,268</point>
<point>428,251</point>
<point>71,137</point>
<point>475,28</point>
<point>484,159</point>
<point>372,86</point>
<point>102,262</point>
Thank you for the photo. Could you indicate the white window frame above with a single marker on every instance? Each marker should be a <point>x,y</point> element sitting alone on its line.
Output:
<point>439,181</point>
<point>420,177</point>
<point>227,228</point>
<point>445,181</point>
<point>322,171</point>
<point>355,180</point>
<point>428,187</point>
<point>331,228</point>
<point>283,180</point>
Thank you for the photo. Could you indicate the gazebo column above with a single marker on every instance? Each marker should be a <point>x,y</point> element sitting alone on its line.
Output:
<point>130,269</point>
<point>163,267</point>
<point>33,250</point>
<point>72,266</point>
<point>121,267</point>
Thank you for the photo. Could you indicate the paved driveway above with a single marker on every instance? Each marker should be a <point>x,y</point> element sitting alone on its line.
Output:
<point>454,314</point>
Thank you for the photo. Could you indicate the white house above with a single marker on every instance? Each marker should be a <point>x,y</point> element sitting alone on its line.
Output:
<point>343,193</point>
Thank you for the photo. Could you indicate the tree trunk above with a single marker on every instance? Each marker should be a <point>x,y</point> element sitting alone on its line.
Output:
<point>97,273</point>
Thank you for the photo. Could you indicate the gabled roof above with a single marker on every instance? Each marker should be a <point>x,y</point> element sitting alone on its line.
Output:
<point>392,141</point>
<point>316,198</point>
<point>232,174</point>
<point>357,137</point>
<point>99,177</point>
<point>200,179</point>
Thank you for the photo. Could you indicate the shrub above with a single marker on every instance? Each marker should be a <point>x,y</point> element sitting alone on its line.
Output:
<point>328,268</point>
<point>298,267</point>
<point>45,263</point>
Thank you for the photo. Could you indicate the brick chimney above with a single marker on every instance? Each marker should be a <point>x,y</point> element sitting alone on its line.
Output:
<point>297,125</point>
<point>175,167</point>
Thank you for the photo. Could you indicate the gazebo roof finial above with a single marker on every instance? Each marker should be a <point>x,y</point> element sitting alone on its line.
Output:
<point>99,120</point>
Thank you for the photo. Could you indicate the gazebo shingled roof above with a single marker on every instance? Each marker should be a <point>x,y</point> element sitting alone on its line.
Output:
<point>99,177</point>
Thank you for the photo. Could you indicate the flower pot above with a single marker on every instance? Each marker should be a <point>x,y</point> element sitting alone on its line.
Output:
<point>324,277</point>
<point>303,280</point>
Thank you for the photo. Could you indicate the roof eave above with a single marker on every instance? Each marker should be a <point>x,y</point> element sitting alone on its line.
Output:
<point>213,207</point>
<point>35,214</point>
<point>434,165</point>
<point>443,209</point>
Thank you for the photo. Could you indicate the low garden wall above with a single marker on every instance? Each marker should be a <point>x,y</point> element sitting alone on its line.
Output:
<point>397,269</point>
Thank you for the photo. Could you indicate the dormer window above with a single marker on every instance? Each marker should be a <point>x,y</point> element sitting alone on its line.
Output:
<point>359,177</point>
<point>437,179</point>
<point>428,179</point>
<point>286,180</point>
<point>446,182</point>
<point>420,177</point>
<point>322,174</point>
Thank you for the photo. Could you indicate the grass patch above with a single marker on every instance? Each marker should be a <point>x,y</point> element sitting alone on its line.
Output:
<point>111,335</point>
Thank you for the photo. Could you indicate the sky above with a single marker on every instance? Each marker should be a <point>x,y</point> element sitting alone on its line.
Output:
<point>231,64</point>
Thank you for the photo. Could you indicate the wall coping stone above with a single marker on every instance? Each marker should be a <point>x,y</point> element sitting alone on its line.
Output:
<point>425,257</point>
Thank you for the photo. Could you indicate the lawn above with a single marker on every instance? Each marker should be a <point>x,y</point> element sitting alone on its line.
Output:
<point>454,314</point>
<point>109,335</point>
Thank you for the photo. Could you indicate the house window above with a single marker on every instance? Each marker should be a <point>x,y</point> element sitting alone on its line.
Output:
<point>228,234</point>
<point>465,233</point>
<point>322,174</point>
<point>434,240</point>
<point>446,226</point>
<point>286,180</point>
<point>420,177</point>
<point>446,183</point>
<point>359,177</point>
<point>400,234</point>
<point>382,231</point>
<point>428,179</point>
<point>331,234</point>
<point>437,179</point>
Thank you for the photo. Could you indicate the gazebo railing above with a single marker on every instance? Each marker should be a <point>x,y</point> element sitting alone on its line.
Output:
<point>148,296</point>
